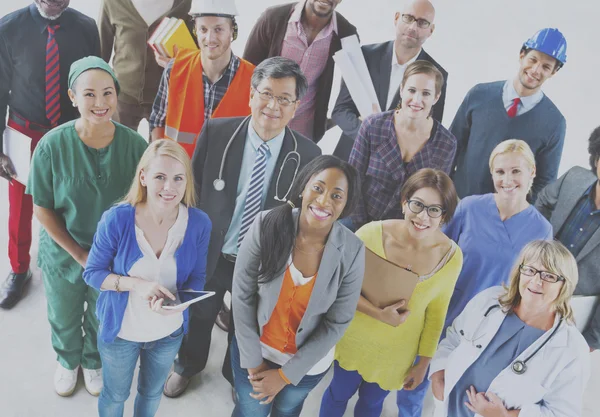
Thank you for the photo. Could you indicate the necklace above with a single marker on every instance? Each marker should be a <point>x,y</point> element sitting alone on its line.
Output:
<point>311,252</point>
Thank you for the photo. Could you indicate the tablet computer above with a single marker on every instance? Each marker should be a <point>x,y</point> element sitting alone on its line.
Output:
<point>184,298</point>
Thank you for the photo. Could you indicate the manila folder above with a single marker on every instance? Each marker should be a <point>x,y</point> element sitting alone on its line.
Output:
<point>386,283</point>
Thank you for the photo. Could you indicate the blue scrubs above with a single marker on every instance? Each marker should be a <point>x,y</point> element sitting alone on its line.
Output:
<point>512,338</point>
<point>490,246</point>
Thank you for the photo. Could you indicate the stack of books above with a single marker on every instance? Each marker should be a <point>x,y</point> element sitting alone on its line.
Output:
<point>168,33</point>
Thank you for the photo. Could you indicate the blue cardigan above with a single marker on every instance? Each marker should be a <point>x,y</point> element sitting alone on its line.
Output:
<point>115,250</point>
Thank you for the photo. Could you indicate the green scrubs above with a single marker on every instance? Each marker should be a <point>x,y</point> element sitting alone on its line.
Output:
<point>78,183</point>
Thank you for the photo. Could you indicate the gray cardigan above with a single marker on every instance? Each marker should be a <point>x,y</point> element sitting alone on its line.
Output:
<point>330,310</point>
<point>555,202</point>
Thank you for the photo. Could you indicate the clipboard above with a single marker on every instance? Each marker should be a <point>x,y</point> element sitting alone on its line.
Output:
<point>386,283</point>
<point>17,147</point>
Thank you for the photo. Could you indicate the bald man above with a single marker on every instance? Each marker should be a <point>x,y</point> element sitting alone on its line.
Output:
<point>387,62</point>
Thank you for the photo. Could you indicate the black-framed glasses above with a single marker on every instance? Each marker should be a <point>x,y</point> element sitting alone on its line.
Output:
<point>530,271</point>
<point>409,18</point>
<point>267,96</point>
<point>433,211</point>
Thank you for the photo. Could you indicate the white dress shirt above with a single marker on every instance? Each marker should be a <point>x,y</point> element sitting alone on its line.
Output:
<point>396,76</point>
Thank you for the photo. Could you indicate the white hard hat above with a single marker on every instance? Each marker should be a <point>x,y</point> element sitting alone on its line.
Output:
<point>213,7</point>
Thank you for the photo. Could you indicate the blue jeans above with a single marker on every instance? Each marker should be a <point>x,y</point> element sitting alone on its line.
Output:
<point>118,365</point>
<point>410,403</point>
<point>343,386</point>
<point>288,403</point>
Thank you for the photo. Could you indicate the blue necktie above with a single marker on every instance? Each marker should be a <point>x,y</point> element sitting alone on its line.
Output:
<point>254,197</point>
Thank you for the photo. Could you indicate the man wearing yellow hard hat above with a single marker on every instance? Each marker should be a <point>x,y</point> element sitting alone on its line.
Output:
<point>199,85</point>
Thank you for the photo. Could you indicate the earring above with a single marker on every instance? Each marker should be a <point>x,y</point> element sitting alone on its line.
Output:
<point>74,104</point>
<point>300,196</point>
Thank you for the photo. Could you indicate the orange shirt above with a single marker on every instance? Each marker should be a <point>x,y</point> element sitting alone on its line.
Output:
<point>280,331</point>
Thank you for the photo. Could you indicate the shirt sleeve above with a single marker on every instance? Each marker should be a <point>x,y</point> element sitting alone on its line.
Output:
<point>107,33</point>
<point>547,160</point>
<point>158,116</point>
<point>257,46</point>
<point>104,249</point>
<point>40,184</point>
<point>197,279</point>
<point>461,127</point>
<point>454,227</point>
<point>359,159</point>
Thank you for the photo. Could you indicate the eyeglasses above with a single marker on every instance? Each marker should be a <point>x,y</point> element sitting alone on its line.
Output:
<point>409,18</point>
<point>544,275</point>
<point>283,101</point>
<point>434,211</point>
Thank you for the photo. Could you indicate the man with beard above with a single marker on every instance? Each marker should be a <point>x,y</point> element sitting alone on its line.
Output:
<point>38,44</point>
<point>517,108</point>
<point>387,63</point>
<point>199,85</point>
<point>309,33</point>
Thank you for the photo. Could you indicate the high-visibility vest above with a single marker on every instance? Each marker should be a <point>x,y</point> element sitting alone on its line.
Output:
<point>185,109</point>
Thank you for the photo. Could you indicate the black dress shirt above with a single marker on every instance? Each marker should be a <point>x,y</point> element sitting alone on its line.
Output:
<point>23,37</point>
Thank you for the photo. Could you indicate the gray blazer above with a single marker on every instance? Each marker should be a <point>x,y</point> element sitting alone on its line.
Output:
<point>555,202</point>
<point>330,310</point>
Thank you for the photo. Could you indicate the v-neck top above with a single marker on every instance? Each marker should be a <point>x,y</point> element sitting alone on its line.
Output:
<point>490,246</point>
<point>140,323</point>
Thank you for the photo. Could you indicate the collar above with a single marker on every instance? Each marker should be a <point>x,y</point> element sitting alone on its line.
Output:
<point>395,63</point>
<point>509,94</point>
<point>296,17</point>
<point>42,23</point>
<point>273,144</point>
<point>590,193</point>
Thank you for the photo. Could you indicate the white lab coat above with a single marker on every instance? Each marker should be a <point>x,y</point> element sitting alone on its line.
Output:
<point>556,376</point>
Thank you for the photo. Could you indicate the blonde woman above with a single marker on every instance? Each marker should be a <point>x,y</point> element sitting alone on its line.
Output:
<point>146,248</point>
<point>515,350</point>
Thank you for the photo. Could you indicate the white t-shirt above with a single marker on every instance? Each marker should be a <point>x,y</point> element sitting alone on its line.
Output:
<point>140,323</point>
<point>152,10</point>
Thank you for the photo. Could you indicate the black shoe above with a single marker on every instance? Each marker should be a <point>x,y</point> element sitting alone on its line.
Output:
<point>224,318</point>
<point>12,290</point>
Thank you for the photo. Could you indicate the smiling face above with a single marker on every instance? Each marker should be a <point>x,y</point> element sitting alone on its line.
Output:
<point>411,35</point>
<point>418,95</point>
<point>534,69</point>
<point>512,176</point>
<point>269,118</point>
<point>95,95</point>
<point>536,292</point>
<point>165,182</point>
<point>324,198</point>
<point>215,35</point>
<point>51,9</point>
<point>322,8</point>
<point>420,225</point>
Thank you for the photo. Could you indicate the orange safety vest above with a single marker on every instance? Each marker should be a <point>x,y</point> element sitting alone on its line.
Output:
<point>280,331</point>
<point>185,109</point>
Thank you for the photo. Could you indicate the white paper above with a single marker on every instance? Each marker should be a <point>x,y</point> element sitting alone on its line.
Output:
<point>351,46</point>
<point>583,310</point>
<point>17,147</point>
<point>355,86</point>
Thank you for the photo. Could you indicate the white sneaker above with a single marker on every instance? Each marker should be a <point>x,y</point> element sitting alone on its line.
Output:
<point>93,381</point>
<point>65,380</point>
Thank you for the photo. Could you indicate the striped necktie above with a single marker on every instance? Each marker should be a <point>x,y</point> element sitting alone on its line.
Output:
<point>254,196</point>
<point>52,77</point>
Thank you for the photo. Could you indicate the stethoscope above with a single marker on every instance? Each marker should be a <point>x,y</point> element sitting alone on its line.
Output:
<point>519,367</point>
<point>219,183</point>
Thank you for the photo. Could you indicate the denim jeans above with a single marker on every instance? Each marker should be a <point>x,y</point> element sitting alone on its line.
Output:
<point>118,365</point>
<point>288,403</point>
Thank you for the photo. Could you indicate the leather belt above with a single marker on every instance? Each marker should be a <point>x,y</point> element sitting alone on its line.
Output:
<point>21,121</point>
<point>229,257</point>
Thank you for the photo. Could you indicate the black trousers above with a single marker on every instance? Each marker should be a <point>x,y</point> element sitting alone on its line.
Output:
<point>195,347</point>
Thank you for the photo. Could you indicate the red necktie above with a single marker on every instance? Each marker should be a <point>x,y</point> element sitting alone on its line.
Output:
<point>52,77</point>
<point>512,110</point>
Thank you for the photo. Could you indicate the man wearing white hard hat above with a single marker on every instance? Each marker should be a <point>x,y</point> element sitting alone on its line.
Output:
<point>209,83</point>
<point>517,108</point>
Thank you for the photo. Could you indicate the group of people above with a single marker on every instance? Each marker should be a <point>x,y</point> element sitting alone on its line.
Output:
<point>230,193</point>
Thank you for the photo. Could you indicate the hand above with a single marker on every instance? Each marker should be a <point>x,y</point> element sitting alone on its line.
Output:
<point>7,169</point>
<point>438,382</point>
<point>147,290</point>
<point>252,372</point>
<point>267,384</point>
<point>485,404</point>
<point>592,349</point>
<point>416,375</point>
<point>156,304</point>
<point>161,60</point>
<point>394,315</point>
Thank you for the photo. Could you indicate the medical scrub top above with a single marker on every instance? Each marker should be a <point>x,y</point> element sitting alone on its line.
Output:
<point>490,246</point>
<point>512,338</point>
<point>79,183</point>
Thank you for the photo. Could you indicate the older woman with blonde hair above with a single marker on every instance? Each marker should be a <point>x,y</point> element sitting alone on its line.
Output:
<point>145,249</point>
<point>514,350</point>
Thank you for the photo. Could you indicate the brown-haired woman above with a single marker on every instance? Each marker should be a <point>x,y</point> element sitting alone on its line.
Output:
<point>377,352</point>
<point>393,145</point>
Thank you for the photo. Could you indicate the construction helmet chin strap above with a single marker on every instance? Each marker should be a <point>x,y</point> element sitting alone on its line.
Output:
<point>234,23</point>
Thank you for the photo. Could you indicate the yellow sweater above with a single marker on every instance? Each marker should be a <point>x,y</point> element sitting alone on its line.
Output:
<point>383,354</point>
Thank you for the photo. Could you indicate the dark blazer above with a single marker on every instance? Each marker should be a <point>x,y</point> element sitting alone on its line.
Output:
<point>266,40</point>
<point>555,202</point>
<point>379,62</point>
<point>219,205</point>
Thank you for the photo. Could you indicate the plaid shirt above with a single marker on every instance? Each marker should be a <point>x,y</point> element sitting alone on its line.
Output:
<point>213,93</point>
<point>582,223</point>
<point>312,60</point>
<point>378,159</point>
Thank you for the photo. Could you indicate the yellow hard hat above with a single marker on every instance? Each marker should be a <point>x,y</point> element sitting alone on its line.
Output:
<point>213,7</point>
